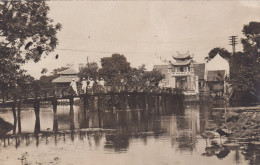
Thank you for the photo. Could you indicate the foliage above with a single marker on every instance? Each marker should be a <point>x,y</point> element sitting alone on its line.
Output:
<point>114,68</point>
<point>221,51</point>
<point>26,34</point>
<point>135,77</point>
<point>154,77</point>
<point>89,71</point>
<point>242,124</point>
<point>46,81</point>
<point>244,66</point>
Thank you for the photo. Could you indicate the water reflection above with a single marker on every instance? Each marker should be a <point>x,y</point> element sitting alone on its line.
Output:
<point>162,134</point>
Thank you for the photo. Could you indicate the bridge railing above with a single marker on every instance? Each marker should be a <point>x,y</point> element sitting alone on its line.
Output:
<point>65,91</point>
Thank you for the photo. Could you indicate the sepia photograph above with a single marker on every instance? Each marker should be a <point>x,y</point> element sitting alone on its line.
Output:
<point>122,82</point>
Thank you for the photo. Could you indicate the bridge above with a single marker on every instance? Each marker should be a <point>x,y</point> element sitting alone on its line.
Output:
<point>107,98</point>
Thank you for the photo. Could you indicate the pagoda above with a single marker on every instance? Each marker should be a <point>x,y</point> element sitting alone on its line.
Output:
<point>182,74</point>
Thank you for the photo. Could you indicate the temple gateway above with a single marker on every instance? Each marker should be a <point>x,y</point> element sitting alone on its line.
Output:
<point>183,73</point>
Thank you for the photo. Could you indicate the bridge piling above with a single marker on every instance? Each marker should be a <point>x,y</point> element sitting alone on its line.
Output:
<point>55,120</point>
<point>126,101</point>
<point>72,126</point>
<point>113,102</point>
<point>19,117</point>
<point>99,109</point>
<point>36,106</point>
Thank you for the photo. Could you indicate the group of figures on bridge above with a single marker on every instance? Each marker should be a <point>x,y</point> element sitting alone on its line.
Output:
<point>86,84</point>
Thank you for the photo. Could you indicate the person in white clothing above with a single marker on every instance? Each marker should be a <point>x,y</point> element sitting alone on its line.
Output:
<point>91,83</point>
<point>84,85</point>
<point>73,84</point>
<point>102,82</point>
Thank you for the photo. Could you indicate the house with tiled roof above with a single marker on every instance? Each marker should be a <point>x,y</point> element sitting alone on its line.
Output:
<point>216,82</point>
<point>65,78</point>
<point>217,70</point>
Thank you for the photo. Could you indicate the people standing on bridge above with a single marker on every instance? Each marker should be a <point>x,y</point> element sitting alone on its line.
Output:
<point>101,82</point>
<point>73,84</point>
<point>84,85</point>
<point>91,83</point>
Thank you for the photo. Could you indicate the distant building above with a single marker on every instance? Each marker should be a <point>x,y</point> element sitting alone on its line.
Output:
<point>217,70</point>
<point>183,74</point>
<point>65,78</point>
<point>199,70</point>
<point>216,82</point>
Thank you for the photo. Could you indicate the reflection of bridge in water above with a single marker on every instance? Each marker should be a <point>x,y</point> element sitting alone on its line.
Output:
<point>116,126</point>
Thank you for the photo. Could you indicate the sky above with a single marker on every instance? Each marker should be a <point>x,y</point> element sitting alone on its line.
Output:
<point>146,32</point>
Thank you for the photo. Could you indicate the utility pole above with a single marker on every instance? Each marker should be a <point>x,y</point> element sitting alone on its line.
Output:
<point>233,42</point>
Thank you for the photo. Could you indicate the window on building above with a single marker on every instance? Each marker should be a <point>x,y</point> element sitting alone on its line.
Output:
<point>181,69</point>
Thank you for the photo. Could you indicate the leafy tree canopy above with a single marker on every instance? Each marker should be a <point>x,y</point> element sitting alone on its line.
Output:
<point>244,66</point>
<point>221,51</point>
<point>114,68</point>
<point>26,33</point>
<point>89,71</point>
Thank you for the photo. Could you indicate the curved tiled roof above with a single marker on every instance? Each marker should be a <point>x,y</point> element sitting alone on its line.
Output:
<point>65,79</point>
<point>69,71</point>
<point>182,56</point>
<point>180,63</point>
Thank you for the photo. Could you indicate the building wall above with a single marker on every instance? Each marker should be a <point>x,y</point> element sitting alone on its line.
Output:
<point>218,63</point>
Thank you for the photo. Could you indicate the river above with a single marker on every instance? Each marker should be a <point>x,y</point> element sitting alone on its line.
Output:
<point>130,137</point>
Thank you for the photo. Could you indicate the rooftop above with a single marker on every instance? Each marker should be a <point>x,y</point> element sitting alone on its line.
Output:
<point>199,70</point>
<point>69,71</point>
<point>182,56</point>
<point>65,79</point>
<point>216,75</point>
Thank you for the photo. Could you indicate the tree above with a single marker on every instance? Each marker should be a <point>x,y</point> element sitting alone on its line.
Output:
<point>26,34</point>
<point>46,81</point>
<point>244,66</point>
<point>135,77</point>
<point>221,51</point>
<point>89,71</point>
<point>114,69</point>
<point>154,77</point>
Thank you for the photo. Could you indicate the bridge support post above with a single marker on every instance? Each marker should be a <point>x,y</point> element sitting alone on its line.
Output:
<point>85,104</point>
<point>55,120</point>
<point>36,106</point>
<point>162,103</point>
<point>99,110</point>
<point>126,101</point>
<point>72,126</point>
<point>19,117</point>
<point>159,104</point>
<point>136,101</point>
<point>113,101</point>
<point>15,118</point>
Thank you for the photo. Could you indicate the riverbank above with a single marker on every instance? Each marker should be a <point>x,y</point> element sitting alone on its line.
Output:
<point>5,126</point>
<point>251,108</point>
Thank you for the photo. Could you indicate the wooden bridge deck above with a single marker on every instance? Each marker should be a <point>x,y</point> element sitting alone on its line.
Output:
<point>50,94</point>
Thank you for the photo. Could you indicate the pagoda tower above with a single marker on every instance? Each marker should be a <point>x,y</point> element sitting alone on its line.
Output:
<point>182,73</point>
